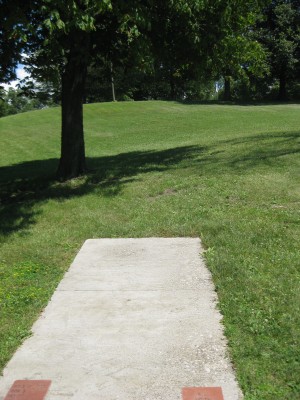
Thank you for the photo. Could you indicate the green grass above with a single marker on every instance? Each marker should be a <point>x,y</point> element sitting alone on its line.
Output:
<point>229,174</point>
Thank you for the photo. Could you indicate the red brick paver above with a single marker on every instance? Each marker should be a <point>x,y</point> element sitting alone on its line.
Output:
<point>202,393</point>
<point>28,390</point>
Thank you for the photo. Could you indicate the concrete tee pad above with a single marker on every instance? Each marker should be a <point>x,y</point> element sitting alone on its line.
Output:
<point>132,319</point>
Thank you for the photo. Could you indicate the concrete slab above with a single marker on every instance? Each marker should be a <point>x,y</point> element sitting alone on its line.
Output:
<point>132,319</point>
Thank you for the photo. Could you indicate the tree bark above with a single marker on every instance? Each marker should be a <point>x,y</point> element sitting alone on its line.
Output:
<point>72,162</point>
<point>112,82</point>
<point>282,95</point>
<point>227,88</point>
<point>172,85</point>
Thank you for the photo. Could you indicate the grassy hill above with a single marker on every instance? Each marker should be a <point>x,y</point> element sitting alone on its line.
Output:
<point>229,174</point>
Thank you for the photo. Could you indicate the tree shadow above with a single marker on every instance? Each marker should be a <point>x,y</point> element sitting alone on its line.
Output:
<point>264,149</point>
<point>241,103</point>
<point>24,185</point>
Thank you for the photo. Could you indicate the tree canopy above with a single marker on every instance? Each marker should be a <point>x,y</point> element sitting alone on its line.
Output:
<point>162,46</point>
<point>279,33</point>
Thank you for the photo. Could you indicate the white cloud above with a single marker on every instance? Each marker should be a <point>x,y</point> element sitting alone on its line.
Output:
<point>21,74</point>
<point>11,84</point>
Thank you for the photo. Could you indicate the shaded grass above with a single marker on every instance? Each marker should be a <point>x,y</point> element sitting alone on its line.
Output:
<point>228,174</point>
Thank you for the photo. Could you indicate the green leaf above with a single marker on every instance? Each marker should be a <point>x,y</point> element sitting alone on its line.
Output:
<point>60,24</point>
<point>48,24</point>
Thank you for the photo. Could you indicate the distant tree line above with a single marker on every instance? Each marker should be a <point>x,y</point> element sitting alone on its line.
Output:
<point>258,60</point>
<point>86,51</point>
<point>15,100</point>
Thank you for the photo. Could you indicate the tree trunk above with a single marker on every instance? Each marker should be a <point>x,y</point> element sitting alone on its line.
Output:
<point>227,88</point>
<point>72,161</point>
<point>282,95</point>
<point>112,82</point>
<point>172,85</point>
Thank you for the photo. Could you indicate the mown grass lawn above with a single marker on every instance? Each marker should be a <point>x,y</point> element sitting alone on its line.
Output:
<point>229,174</point>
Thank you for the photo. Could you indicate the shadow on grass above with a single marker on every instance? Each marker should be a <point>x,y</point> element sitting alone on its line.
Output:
<point>245,153</point>
<point>24,185</point>
<point>238,103</point>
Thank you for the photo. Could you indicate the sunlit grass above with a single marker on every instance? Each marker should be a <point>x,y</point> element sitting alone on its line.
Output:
<point>229,174</point>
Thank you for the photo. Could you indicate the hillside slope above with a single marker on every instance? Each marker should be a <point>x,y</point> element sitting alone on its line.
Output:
<point>229,174</point>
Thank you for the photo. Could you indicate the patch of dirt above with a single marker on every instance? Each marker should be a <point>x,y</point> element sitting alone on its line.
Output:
<point>166,192</point>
